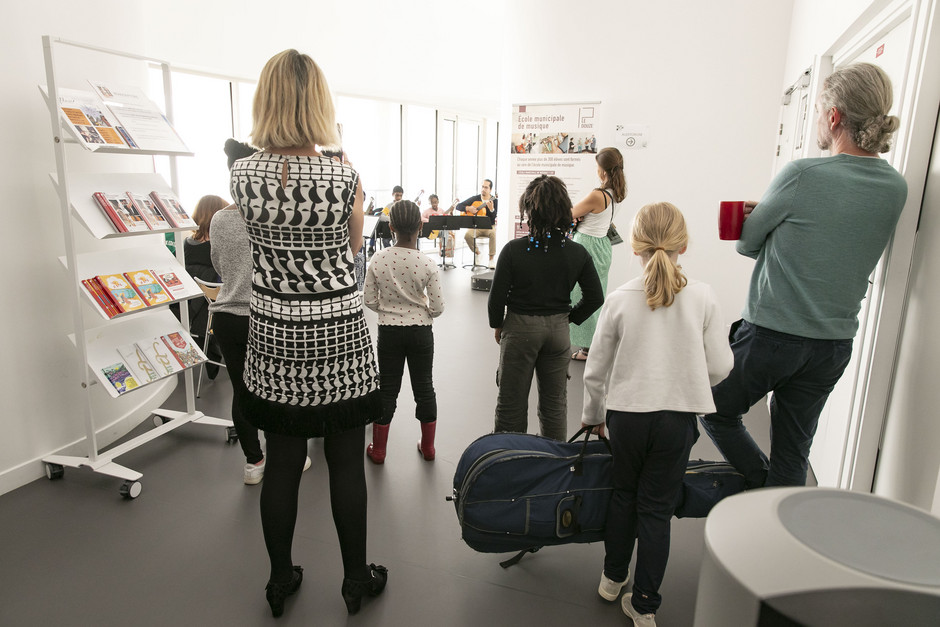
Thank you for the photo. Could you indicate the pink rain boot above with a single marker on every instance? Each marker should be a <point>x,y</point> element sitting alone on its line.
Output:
<point>426,443</point>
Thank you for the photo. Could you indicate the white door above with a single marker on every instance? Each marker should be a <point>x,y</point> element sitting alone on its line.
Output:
<point>460,141</point>
<point>833,452</point>
<point>795,112</point>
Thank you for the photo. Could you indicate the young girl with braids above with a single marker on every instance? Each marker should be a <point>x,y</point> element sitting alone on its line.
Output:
<point>530,310</point>
<point>661,344</point>
<point>403,286</point>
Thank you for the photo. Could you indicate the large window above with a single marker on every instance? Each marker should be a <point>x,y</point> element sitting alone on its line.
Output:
<point>372,141</point>
<point>468,158</point>
<point>389,143</point>
<point>419,132</point>
<point>201,116</point>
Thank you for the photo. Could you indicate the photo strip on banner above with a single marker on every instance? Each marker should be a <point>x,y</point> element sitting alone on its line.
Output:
<point>557,140</point>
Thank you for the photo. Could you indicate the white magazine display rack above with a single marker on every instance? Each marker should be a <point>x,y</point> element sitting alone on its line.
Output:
<point>97,342</point>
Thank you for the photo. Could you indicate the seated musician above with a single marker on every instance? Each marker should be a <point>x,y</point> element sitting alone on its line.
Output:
<point>435,210</point>
<point>483,204</point>
<point>382,212</point>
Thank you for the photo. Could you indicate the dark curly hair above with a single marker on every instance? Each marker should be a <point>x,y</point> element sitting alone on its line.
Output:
<point>546,207</point>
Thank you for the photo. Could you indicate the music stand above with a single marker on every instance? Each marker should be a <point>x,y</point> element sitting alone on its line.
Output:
<point>476,222</point>
<point>453,223</point>
<point>382,230</point>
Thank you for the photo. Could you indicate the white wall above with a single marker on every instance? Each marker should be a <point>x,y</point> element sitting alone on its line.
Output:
<point>910,457</point>
<point>705,77</point>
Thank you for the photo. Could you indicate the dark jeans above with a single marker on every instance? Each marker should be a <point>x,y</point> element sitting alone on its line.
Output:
<point>414,344</point>
<point>651,451</point>
<point>801,373</point>
<point>231,332</point>
<point>538,344</point>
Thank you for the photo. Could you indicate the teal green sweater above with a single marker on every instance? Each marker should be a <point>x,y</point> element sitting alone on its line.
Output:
<point>817,235</point>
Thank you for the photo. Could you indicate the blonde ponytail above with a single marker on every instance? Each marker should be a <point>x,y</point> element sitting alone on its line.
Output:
<point>658,231</point>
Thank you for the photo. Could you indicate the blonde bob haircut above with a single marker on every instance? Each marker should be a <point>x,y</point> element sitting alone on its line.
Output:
<point>293,107</point>
<point>658,231</point>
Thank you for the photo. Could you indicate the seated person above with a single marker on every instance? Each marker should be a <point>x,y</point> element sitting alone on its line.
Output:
<point>483,204</point>
<point>397,192</point>
<point>197,251</point>
<point>435,210</point>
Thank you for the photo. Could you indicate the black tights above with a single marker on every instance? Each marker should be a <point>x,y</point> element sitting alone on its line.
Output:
<point>348,499</point>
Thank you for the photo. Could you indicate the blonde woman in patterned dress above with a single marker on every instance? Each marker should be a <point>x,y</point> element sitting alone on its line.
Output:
<point>310,365</point>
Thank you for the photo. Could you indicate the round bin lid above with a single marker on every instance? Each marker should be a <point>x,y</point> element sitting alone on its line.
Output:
<point>867,533</point>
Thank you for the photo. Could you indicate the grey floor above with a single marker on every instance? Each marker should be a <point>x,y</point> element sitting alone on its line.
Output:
<point>189,550</point>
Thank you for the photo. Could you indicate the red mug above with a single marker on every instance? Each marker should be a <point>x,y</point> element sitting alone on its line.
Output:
<point>730,219</point>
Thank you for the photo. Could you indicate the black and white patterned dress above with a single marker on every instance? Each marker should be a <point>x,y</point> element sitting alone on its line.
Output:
<point>310,364</point>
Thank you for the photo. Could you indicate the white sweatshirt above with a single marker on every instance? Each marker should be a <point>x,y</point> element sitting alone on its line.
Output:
<point>403,286</point>
<point>645,360</point>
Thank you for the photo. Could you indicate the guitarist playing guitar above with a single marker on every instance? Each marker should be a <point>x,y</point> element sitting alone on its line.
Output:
<point>484,204</point>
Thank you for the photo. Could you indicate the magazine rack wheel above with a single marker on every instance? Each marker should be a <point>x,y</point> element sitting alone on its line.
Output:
<point>54,471</point>
<point>231,435</point>
<point>160,420</point>
<point>131,489</point>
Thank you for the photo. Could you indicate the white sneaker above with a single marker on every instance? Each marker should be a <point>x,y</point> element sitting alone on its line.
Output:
<point>610,589</point>
<point>254,472</point>
<point>307,463</point>
<point>640,620</point>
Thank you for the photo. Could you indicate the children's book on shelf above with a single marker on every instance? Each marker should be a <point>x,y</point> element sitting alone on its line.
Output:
<point>149,287</point>
<point>169,205</point>
<point>101,297</point>
<point>121,211</point>
<point>171,283</point>
<point>120,377</point>
<point>149,211</point>
<point>123,294</point>
<point>183,347</point>
<point>160,356</point>
<point>137,363</point>
<point>92,122</point>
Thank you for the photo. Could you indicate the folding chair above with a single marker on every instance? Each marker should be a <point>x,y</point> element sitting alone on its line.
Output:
<point>210,291</point>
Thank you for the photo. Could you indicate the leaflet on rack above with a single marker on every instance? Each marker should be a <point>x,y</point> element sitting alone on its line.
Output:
<point>169,205</point>
<point>143,120</point>
<point>122,212</point>
<point>148,286</point>
<point>122,292</point>
<point>160,356</point>
<point>120,377</point>
<point>148,210</point>
<point>93,123</point>
<point>146,361</point>
<point>171,283</point>
<point>137,363</point>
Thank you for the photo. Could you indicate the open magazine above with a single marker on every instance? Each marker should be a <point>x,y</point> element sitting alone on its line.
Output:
<point>117,116</point>
<point>92,122</point>
<point>146,125</point>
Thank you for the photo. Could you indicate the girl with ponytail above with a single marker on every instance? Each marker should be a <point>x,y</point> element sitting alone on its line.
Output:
<point>660,345</point>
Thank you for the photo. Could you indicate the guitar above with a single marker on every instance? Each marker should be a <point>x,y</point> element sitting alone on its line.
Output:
<point>477,207</point>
